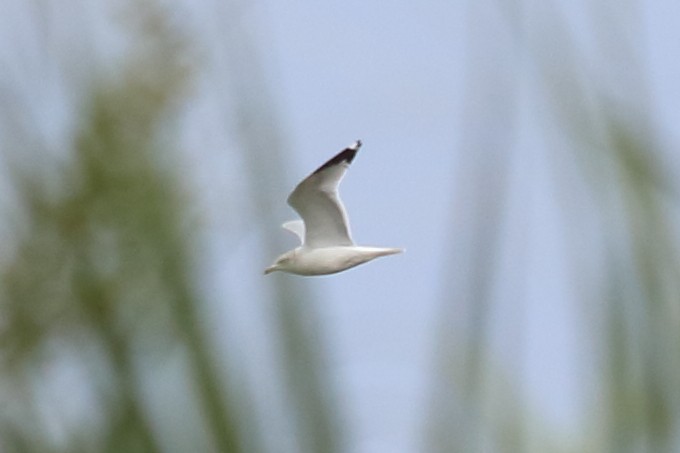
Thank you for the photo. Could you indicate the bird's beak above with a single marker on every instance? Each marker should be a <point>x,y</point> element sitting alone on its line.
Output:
<point>270,269</point>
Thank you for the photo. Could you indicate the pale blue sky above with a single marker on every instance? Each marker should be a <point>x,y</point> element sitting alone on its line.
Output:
<point>396,76</point>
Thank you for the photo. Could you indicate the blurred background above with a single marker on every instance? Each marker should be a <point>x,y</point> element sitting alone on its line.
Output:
<point>524,153</point>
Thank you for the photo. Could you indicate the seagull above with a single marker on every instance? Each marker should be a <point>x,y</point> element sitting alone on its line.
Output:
<point>326,243</point>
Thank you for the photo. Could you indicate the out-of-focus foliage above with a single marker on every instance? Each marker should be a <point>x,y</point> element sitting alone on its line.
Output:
<point>101,279</point>
<point>630,307</point>
<point>104,341</point>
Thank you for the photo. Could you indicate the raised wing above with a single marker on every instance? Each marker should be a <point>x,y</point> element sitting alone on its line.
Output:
<point>316,200</point>
<point>297,227</point>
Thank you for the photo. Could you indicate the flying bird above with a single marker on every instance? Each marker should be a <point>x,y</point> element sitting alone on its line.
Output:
<point>326,243</point>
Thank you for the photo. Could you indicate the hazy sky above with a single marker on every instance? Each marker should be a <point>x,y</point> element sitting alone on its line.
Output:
<point>397,76</point>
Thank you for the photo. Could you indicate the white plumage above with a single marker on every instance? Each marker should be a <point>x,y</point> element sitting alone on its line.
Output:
<point>324,231</point>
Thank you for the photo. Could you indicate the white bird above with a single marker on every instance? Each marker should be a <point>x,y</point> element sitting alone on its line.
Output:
<point>327,245</point>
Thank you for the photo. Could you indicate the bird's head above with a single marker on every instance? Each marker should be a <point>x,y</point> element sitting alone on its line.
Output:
<point>281,263</point>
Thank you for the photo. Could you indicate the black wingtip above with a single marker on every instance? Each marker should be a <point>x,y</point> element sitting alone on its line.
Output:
<point>346,155</point>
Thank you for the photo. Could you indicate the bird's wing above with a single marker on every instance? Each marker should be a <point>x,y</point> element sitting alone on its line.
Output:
<point>296,227</point>
<point>316,200</point>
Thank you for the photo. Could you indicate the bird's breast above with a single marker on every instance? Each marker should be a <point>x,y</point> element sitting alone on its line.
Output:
<point>329,260</point>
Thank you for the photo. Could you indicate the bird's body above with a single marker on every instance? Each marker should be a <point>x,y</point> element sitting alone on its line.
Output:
<point>327,246</point>
<point>328,260</point>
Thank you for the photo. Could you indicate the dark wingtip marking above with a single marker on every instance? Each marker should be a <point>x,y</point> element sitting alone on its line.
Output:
<point>346,155</point>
